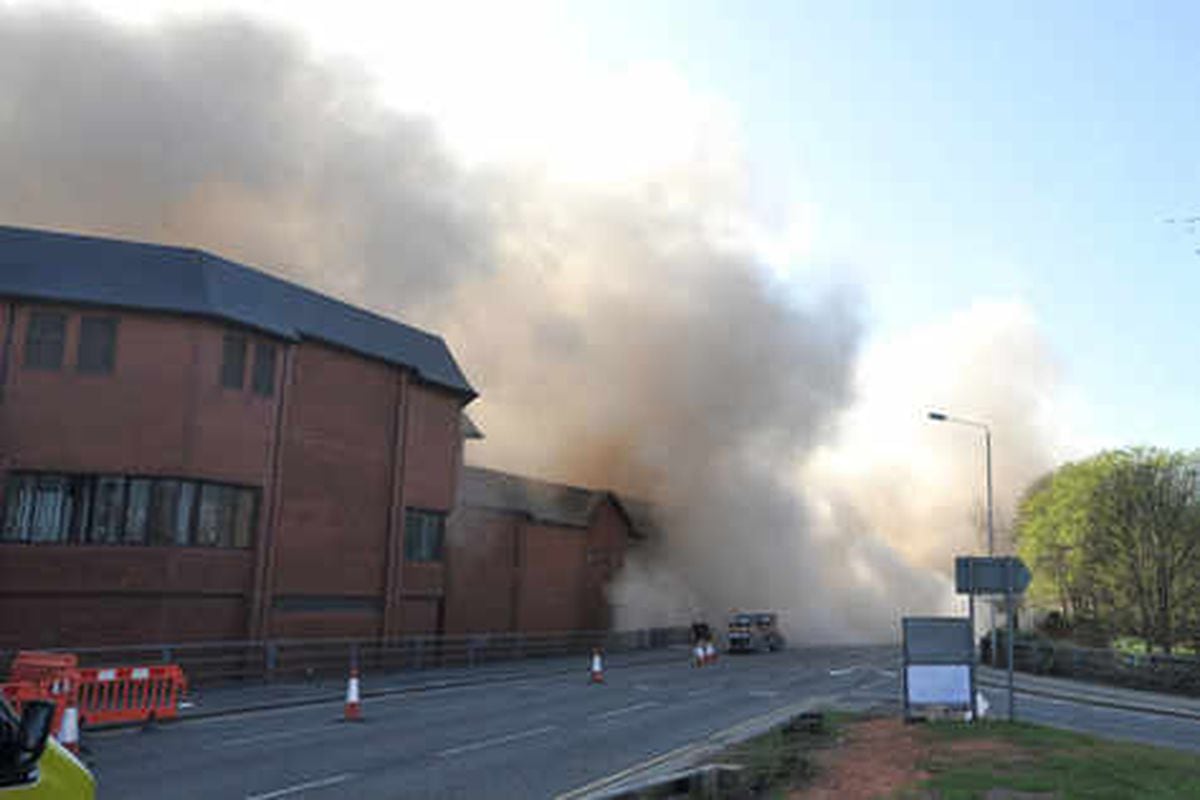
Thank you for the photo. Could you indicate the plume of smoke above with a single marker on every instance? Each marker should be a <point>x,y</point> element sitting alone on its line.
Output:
<point>622,337</point>
<point>230,136</point>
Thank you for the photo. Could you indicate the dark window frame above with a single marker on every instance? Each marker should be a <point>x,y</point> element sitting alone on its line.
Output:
<point>417,547</point>
<point>262,377</point>
<point>44,351</point>
<point>96,351</point>
<point>233,360</point>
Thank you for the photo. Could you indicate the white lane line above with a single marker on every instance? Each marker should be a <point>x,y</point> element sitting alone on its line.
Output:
<point>641,687</point>
<point>301,787</point>
<point>267,737</point>
<point>699,692</point>
<point>512,737</point>
<point>763,693</point>
<point>626,710</point>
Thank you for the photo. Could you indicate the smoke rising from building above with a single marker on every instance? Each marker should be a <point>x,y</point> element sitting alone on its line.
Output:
<point>623,336</point>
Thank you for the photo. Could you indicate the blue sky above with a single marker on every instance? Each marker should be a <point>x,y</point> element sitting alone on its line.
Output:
<point>959,152</point>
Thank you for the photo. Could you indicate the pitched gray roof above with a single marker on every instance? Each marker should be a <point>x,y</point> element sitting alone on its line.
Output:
<point>642,516</point>
<point>553,503</point>
<point>44,265</point>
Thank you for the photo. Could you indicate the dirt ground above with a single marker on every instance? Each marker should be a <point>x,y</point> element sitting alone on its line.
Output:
<point>877,757</point>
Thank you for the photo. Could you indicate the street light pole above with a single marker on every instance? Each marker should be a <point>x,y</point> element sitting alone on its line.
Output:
<point>938,416</point>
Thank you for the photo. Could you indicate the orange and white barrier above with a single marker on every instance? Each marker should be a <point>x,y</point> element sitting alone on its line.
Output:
<point>353,701</point>
<point>128,694</point>
<point>98,696</point>
<point>596,671</point>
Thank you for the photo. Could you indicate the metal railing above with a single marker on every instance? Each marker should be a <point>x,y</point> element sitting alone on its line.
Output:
<point>210,663</point>
<point>1151,671</point>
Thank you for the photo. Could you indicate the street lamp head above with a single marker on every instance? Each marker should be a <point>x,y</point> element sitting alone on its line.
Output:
<point>937,415</point>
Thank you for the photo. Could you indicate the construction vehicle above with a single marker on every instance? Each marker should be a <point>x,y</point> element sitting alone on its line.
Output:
<point>32,764</point>
<point>754,631</point>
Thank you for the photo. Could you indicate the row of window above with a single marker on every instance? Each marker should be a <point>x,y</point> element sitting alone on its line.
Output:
<point>46,338</point>
<point>120,509</point>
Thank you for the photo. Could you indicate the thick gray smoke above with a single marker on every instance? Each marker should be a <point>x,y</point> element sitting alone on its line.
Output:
<point>621,337</point>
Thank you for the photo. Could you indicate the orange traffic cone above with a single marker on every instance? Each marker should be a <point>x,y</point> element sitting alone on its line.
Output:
<point>698,655</point>
<point>353,704</point>
<point>597,668</point>
<point>68,729</point>
<point>710,653</point>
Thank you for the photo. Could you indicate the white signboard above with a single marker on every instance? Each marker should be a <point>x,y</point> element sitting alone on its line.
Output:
<point>939,684</point>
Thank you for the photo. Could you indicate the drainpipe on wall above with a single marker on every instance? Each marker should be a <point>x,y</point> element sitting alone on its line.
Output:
<point>264,576</point>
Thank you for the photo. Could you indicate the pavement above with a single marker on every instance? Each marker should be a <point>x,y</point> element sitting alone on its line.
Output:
<point>541,734</point>
<point>539,729</point>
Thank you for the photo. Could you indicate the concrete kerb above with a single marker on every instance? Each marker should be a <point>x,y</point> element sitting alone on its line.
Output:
<point>334,695</point>
<point>661,767</point>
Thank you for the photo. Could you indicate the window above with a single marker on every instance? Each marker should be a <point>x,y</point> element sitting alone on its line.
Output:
<point>114,509</point>
<point>37,508</point>
<point>233,361</point>
<point>160,527</point>
<point>137,511</point>
<point>244,518</point>
<point>97,345</point>
<point>264,369</point>
<point>108,511</point>
<point>423,534</point>
<point>183,513</point>
<point>44,340</point>
<point>214,524</point>
<point>18,507</point>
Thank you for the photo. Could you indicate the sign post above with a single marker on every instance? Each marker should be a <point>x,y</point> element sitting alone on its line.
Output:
<point>1005,575</point>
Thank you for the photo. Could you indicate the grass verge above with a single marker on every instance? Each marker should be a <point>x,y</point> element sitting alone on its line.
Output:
<point>973,761</point>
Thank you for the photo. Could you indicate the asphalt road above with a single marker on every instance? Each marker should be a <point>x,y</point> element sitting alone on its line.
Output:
<point>547,733</point>
<point>526,738</point>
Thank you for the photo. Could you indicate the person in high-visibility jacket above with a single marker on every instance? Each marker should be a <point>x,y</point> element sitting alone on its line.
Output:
<point>33,766</point>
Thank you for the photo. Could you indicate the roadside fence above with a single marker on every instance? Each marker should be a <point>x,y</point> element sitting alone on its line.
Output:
<point>211,663</point>
<point>1158,672</point>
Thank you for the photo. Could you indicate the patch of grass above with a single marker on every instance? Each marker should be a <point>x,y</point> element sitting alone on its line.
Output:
<point>782,757</point>
<point>1058,763</point>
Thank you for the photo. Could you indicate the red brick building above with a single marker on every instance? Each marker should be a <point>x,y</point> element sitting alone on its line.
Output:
<point>526,555</point>
<point>194,450</point>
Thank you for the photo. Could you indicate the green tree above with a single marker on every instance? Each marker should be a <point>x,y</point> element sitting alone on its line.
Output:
<point>1114,542</point>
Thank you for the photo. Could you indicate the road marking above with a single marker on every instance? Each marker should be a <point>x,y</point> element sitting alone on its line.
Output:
<point>641,687</point>
<point>713,742</point>
<point>512,737</point>
<point>266,737</point>
<point>627,709</point>
<point>698,692</point>
<point>301,787</point>
<point>764,693</point>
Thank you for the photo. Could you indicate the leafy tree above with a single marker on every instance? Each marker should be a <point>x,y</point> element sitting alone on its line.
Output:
<point>1114,542</point>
